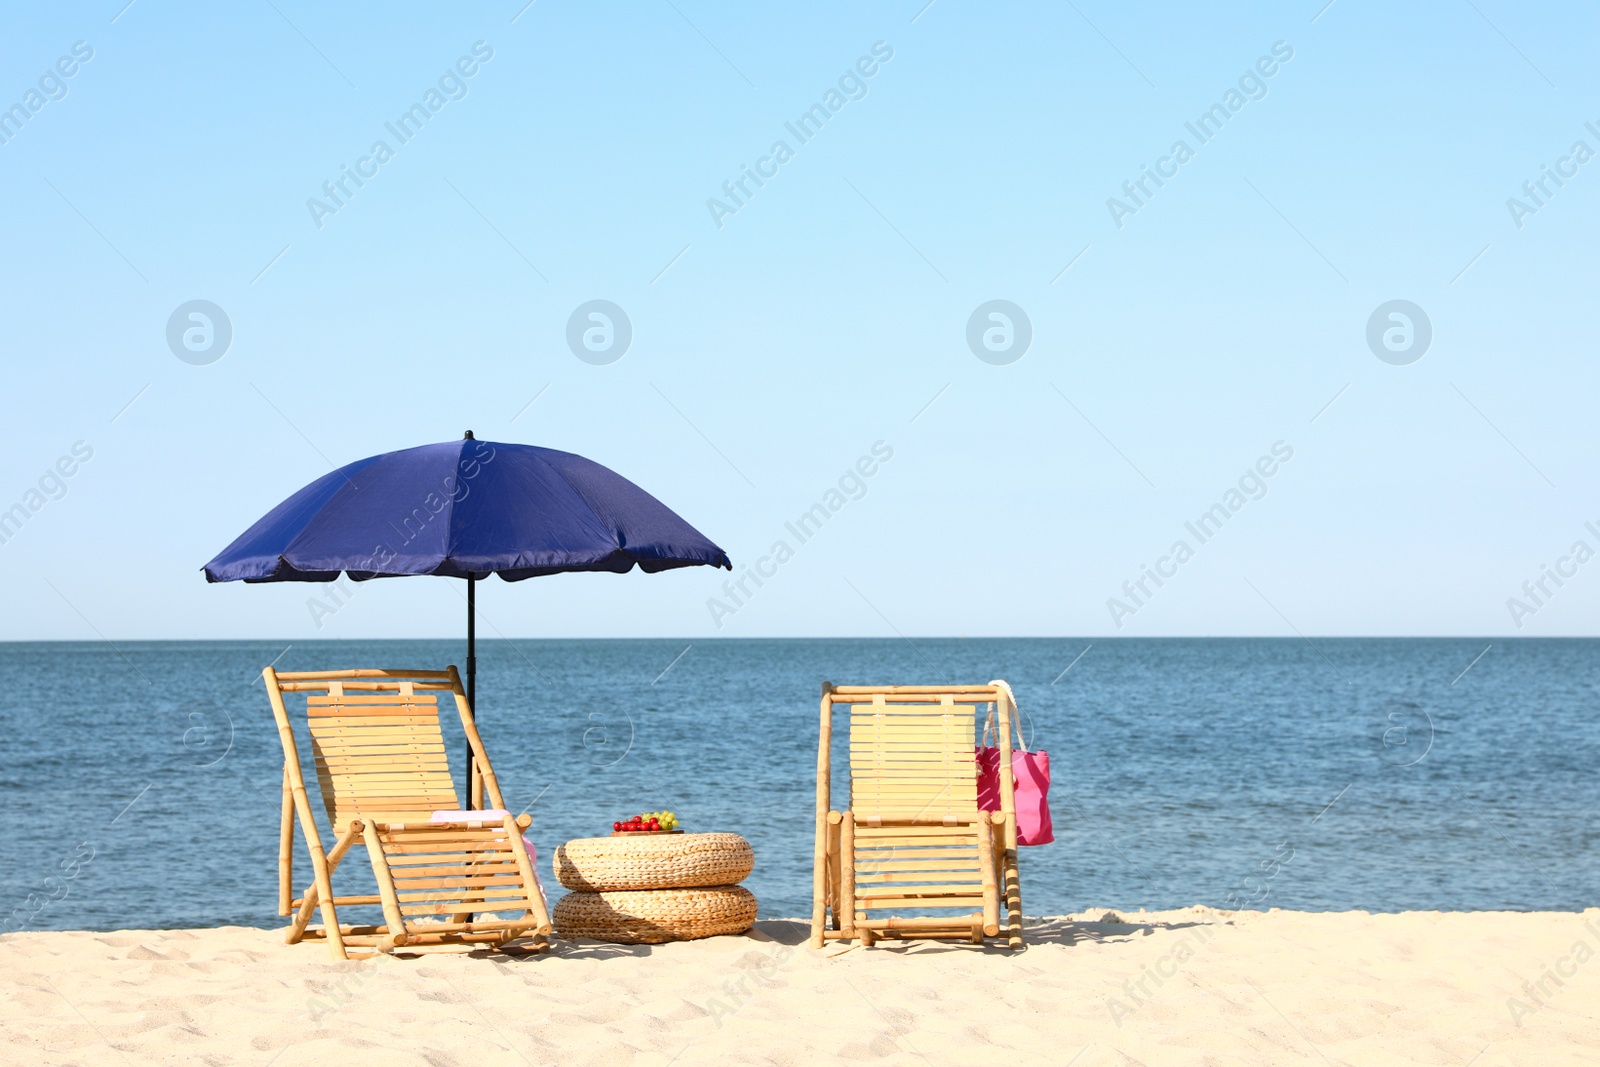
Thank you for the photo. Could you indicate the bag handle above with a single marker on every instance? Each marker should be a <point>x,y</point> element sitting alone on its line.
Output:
<point>989,723</point>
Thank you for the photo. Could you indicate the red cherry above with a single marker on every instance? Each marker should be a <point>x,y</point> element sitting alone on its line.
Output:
<point>616,826</point>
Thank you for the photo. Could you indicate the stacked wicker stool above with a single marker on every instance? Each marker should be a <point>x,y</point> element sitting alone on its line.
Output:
<point>653,888</point>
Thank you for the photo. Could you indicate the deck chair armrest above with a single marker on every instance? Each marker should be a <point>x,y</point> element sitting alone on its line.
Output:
<point>485,783</point>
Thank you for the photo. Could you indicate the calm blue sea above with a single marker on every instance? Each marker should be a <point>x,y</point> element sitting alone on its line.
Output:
<point>141,783</point>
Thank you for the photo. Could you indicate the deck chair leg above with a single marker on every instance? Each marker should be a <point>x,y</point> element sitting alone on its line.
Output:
<point>318,892</point>
<point>391,902</point>
<point>1006,874</point>
<point>1012,882</point>
<point>819,871</point>
<point>302,919</point>
<point>330,916</point>
<point>847,874</point>
<point>286,848</point>
<point>987,868</point>
<point>1013,900</point>
<point>835,874</point>
<point>530,878</point>
<point>819,876</point>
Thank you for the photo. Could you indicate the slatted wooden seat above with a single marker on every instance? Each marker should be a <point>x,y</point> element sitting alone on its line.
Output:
<point>914,837</point>
<point>381,765</point>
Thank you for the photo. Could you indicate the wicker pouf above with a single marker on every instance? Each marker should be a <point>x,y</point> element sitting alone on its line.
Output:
<point>664,861</point>
<point>655,916</point>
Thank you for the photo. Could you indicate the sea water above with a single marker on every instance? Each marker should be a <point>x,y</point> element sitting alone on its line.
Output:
<point>142,782</point>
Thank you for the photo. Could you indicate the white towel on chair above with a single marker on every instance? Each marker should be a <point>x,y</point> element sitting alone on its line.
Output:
<point>493,815</point>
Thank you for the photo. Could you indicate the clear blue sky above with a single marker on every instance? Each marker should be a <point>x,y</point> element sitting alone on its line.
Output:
<point>827,312</point>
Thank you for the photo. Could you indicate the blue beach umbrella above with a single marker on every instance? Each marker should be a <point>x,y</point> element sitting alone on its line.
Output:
<point>464,509</point>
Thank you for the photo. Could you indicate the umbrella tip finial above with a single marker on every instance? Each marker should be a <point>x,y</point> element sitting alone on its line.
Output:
<point>468,436</point>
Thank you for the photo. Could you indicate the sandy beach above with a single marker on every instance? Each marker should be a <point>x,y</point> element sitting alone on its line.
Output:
<point>1184,987</point>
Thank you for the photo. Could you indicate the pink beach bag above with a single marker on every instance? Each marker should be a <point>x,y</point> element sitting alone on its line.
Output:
<point>1030,774</point>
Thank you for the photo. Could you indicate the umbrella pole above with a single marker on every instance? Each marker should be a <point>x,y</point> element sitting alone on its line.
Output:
<point>472,681</point>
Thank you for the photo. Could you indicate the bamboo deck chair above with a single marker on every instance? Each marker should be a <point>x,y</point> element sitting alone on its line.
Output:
<point>381,765</point>
<point>914,837</point>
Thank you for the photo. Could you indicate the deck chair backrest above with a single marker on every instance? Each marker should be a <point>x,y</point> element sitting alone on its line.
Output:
<point>913,760</point>
<point>380,755</point>
<point>378,748</point>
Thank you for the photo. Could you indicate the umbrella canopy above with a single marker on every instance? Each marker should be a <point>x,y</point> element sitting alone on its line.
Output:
<point>464,509</point>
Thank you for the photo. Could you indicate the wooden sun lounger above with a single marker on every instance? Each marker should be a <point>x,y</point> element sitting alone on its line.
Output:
<point>381,765</point>
<point>915,837</point>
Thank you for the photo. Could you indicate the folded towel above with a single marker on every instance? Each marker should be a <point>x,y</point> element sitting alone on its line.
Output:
<point>487,815</point>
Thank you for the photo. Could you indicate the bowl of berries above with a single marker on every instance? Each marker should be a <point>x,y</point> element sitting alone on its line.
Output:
<point>650,822</point>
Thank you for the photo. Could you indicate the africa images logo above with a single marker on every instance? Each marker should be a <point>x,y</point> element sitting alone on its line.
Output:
<point>599,332</point>
<point>1399,332</point>
<point>999,332</point>
<point>199,332</point>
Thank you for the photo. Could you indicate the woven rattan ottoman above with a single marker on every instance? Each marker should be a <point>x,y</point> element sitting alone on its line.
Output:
<point>655,888</point>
